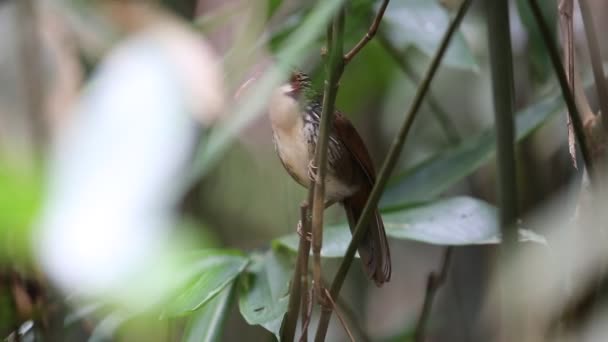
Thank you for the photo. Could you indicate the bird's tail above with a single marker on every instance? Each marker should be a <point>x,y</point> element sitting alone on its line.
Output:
<point>374,250</point>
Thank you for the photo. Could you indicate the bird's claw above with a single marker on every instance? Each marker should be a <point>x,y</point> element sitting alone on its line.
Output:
<point>307,236</point>
<point>312,171</point>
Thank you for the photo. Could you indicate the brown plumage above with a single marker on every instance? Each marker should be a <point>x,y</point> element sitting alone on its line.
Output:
<point>295,115</point>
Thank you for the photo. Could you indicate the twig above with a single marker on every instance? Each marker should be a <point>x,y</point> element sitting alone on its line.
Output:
<point>349,315</point>
<point>565,9</point>
<point>368,35</point>
<point>306,316</point>
<point>596,61</point>
<point>298,291</point>
<point>335,66</point>
<point>342,321</point>
<point>577,121</point>
<point>387,168</point>
<point>446,124</point>
<point>433,283</point>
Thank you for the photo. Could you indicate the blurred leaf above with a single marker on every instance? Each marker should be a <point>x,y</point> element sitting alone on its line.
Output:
<point>455,221</point>
<point>273,5</point>
<point>540,64</point>
<point>264,290</point>
<point>206,323</point>
<point>292,52</point>
<point>422,23</point>
<point>212,271</point>
<point>430,178</point>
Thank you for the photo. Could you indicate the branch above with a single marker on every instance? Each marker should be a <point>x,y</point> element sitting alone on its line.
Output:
<point>446,124</point>
<point>369,35</point>
<point>387,168</point>
<point>433,283</point>
<point>596,61</point>
<point>298,294</point>
<point>335,66</point>
<point>565,9</point>
<point>577,121</point>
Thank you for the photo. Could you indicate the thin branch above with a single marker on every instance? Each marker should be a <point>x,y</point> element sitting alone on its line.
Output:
<point>446,124</point>
<point>596,61</point>
<point>298,290</point>
<point>368,35</point>
<point>565,9</point>
<point>577,121</point>
<point>387,168</point>
<point>434,283</point>
<point>335,66</point>
<point>342,321</point>
<point>307,316</point>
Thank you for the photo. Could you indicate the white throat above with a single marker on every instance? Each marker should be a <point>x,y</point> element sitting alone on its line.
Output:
<point>284,110</point>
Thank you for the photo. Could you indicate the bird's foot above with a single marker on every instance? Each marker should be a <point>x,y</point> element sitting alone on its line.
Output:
<point>300,231</point>
<point>312,171</point>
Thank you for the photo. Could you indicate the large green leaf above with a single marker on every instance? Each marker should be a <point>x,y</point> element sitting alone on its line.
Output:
<point>421,24</point>
<point>210,271</point>
<point>206,323</point>
<point>456,221</point>
<point>430,178</point>
<point>264,290</point>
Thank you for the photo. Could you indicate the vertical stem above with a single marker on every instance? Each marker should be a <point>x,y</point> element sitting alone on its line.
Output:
<point>596,61</point>
<point>30,48</point>
<point>501,60</point>
<point>501,65</point>
<point>387,168</point>
<point>335,66</point>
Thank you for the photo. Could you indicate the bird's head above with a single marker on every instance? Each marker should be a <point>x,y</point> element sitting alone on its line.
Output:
<point>299,84</point>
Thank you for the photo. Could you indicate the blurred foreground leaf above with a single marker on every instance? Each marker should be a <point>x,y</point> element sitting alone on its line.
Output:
<point>457,221</point>
<point>264,290</point>
<point>421,24</point>
<point>206,323</point>
<point>291,53</point>
<point>211,271</point>
<point>430,178</point>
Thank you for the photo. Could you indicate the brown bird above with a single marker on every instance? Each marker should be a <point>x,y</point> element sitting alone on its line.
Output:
<point>295,110</point>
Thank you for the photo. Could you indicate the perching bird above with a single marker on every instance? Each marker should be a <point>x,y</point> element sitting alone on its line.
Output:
<point>295,110</point>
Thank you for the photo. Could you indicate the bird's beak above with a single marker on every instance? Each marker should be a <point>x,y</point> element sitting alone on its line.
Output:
<point>289,90</point>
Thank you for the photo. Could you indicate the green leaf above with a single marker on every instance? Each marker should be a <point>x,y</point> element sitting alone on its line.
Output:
<point>540,65</point>
<point>210,271</point>
<point>421,24</point>
<point>430,178</point>
<point>20,202</point>
<point>264,290</point>
<point>456,221</point>
<point>206,323</point>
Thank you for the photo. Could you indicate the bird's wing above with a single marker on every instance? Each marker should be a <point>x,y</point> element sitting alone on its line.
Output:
<point>351,139</point>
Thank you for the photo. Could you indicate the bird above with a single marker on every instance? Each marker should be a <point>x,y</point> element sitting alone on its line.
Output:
<point>294,112</point>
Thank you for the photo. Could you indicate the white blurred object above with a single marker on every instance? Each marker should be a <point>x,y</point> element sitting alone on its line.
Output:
<point>116,173</point>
